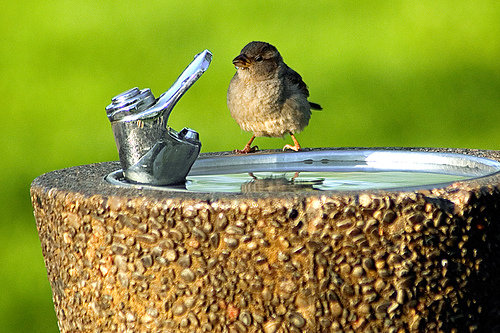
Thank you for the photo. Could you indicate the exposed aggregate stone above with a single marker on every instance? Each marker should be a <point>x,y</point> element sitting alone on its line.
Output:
<point>378,262</point>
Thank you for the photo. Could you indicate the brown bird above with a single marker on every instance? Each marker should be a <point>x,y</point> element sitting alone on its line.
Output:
<point>267,97</point>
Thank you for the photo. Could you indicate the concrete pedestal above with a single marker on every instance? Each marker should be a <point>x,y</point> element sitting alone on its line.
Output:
<point>122,259</point>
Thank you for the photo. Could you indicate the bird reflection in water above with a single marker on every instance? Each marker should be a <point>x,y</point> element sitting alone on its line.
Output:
<point>280,183</point>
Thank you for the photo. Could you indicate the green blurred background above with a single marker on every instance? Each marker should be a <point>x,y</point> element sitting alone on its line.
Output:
<point>387,73</point>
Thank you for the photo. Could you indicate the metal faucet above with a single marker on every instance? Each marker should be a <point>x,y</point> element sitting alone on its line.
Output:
<point>151,152</point>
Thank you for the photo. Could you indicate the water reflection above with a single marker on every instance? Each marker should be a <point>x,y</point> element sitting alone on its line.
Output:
<point>280,183</point>
<point>303,181</point>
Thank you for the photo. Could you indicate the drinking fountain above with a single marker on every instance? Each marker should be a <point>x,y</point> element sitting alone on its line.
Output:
<point>150,151</point>
<point>325,239</point>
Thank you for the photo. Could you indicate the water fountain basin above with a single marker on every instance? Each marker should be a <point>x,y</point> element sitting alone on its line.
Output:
<point>142,258</point>
<point>326,170</point>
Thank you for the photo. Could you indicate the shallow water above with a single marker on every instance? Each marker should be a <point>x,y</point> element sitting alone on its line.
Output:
<point>314,181</point>
<point>326,170</point>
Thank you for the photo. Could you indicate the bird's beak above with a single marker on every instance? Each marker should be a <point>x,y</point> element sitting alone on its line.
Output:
<point>241,61</point>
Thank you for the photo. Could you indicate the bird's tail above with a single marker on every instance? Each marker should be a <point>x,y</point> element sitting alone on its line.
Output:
<point>315,106</point>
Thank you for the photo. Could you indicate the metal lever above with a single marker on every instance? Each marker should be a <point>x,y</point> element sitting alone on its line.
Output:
<point>150,152</point>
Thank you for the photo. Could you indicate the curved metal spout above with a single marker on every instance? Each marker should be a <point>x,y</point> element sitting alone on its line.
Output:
<point>168,99</point>
<point>150,151</point>
<point>135,104</point>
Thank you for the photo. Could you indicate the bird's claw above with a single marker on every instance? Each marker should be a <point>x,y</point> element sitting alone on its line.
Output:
<point>247,150</point>
<point>294,148</point>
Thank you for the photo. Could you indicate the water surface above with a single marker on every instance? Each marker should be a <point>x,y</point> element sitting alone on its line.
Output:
<point>314,181</point>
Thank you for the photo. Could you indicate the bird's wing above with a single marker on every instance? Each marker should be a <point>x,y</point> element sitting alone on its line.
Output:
<point>295,78</point>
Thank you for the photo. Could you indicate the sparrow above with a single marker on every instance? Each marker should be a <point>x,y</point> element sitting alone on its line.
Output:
<point>266,97</point>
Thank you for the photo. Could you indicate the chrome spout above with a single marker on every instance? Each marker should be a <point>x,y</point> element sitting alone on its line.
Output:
<point>151,152</point>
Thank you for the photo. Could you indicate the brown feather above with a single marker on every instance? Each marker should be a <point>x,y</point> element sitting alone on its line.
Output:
<point>265,96</point>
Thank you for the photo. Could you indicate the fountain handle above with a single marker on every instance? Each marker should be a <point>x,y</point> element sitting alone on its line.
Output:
<point>150,152</point>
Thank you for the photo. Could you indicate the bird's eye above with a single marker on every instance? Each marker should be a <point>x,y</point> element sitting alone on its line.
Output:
<point>258,58</point>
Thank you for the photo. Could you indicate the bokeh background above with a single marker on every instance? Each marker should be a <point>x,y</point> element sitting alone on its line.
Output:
<point>387,73</point>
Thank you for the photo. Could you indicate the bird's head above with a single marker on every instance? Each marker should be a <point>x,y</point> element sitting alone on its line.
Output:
<point>258,59</point>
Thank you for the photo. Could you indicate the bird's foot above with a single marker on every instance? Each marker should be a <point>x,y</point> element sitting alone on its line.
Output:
<point>247,150</point>
<point>294,148</point>
<point>296,145</point>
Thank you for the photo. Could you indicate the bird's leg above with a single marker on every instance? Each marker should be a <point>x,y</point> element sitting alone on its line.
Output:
<point>248,148</point>
<point>296,146</point>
